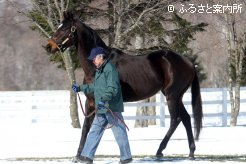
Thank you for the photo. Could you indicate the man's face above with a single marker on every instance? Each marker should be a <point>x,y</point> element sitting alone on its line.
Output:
<point>98,60</point>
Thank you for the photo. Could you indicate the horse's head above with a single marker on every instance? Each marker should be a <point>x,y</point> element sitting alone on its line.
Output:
<point>64,36</point>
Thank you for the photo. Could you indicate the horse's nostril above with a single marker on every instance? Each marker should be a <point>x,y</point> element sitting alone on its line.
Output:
<point>48,48</point>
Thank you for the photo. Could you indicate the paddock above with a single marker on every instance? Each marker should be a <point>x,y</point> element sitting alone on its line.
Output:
<point>39,131</point>
<point>58,144</point>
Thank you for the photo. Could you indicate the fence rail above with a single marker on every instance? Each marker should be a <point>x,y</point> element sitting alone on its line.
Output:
<point>53,106</point>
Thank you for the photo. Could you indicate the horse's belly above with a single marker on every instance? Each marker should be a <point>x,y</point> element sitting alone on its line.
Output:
<point>139,91</point>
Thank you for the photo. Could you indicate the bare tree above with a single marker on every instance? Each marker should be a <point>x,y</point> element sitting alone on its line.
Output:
<point>229,27</point>
<point>234,34</point>
<point>236,42</point>
<point>131,17</point>
<point>46,16</point>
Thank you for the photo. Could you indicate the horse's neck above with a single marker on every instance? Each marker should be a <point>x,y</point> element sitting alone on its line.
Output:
<point>85,43</point>
<point>86,66</point>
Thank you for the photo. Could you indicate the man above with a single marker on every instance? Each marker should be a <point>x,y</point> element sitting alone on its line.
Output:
<point>107,93</point>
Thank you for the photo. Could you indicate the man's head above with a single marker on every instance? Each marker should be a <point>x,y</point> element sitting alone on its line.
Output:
<point>98,56</point>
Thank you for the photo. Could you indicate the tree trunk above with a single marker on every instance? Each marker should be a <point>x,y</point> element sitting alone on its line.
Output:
<point>152,111</point>
<point>144,110</point>
<point>73,96</point>
<point>239,66</point>
<point>235,60</point>
<point>235,111</point>
<point>111,29</point>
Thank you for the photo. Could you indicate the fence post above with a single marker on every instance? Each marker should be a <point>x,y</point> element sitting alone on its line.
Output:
<point>27,100</point>
<point>224,107</point>
<point>162,110</point>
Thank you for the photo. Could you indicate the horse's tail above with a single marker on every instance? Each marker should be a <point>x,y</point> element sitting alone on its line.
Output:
<point>196,105</point>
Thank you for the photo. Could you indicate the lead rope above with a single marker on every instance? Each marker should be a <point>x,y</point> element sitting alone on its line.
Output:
<point>113,114</point>
<point>89,115</point>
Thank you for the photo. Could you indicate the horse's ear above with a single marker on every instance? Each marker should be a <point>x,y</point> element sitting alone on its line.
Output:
<point>68,15</point>
<point>65,14</point>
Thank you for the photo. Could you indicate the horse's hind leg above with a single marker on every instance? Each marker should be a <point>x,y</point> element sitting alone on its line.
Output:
<point>173,106</point>
<point>185,117</point>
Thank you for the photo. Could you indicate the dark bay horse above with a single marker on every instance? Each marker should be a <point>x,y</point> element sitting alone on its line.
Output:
<point>141,77</point>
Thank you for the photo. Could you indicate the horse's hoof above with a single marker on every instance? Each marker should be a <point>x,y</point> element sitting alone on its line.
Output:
<point>191,158</point>
<point>75,159</point>
<point>159,155</point>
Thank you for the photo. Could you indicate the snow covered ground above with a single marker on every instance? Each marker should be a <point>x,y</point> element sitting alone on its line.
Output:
<point>33,135</point>
<point>58,143</point>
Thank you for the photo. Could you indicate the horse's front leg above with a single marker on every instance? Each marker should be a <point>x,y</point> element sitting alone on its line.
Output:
<point>85,130</point>
<point>89,108</point>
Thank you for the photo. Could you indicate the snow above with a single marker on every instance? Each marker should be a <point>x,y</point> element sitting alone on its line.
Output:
<point>60,142</point>
<point>45,136</point>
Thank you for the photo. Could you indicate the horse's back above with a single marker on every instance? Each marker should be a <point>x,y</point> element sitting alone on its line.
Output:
<point>144,75</point>
<point>140,76</point>
<point>175,71</point>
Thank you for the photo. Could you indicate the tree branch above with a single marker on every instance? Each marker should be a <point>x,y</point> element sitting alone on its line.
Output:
<point>59,10</point>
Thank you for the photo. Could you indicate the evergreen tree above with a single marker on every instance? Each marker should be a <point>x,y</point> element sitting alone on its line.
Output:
<point>152,21</point>
<point>181,34</point>
<point>46,17</point>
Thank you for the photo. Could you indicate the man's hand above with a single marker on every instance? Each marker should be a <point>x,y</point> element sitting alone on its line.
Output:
<point>76,88</point>
<point>101,105</point>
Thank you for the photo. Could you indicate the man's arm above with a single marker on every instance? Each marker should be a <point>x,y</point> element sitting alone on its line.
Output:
<point>112,85</point>
<point>87,88</point>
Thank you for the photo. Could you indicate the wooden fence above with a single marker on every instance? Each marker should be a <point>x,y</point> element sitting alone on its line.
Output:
<point>53,107</point>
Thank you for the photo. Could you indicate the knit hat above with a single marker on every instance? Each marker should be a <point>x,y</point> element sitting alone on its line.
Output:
<point>96,51</point>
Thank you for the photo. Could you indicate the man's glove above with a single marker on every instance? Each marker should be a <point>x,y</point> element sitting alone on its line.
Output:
<point>102,107</point>
<point>76,88</point>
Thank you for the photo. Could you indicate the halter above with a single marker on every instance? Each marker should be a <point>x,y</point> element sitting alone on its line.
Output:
<point>61,46</point>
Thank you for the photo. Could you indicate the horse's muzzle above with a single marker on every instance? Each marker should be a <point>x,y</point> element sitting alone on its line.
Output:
<point>48,48</point>
<point>51,47</point>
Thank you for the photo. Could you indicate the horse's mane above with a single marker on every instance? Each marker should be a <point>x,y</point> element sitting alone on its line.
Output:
<point>115,53</point>
<point>91,33</point>
<point>86,34</point>
<point>97,39</point>
<point>94,40</point>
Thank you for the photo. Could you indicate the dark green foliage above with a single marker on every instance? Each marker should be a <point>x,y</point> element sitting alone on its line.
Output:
<point>180,37</point>
<point>58,60</point>
<point>184,33</point>
<point>200,70</point>
<point>161,24</point>
<point>40,20</point>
